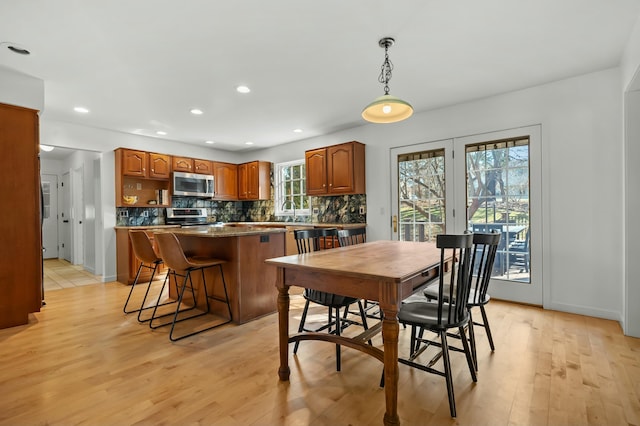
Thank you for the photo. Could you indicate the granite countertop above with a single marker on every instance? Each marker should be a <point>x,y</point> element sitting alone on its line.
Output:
<point>224,231</point>
<point>147,227</point>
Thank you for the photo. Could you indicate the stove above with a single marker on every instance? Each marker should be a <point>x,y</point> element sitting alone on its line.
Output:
<point>191,216</point>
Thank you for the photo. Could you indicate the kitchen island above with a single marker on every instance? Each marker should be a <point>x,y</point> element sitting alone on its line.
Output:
<point>250,281</point>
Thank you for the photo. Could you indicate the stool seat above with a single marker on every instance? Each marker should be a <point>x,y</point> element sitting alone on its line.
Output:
<point>182,266</point>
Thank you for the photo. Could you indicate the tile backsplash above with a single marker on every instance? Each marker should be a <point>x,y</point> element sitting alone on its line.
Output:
<point>330,209</point>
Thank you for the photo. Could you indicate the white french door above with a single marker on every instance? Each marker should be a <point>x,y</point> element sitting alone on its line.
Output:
<point>479,183</point>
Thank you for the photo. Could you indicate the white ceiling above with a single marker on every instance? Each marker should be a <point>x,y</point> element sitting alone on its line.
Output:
<point>141,65</point>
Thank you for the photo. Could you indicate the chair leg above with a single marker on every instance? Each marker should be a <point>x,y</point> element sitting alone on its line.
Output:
<point>447,373</point>
<point>338,328</point>
<point>363,315</point>
<point>301,326</point>
<point>485,321</point>
<point>467,353</point>
<point>472,340</point>
<point>180,298</point>
<point>133,286</point>
<point>206,294</point>
<point>146,294</point>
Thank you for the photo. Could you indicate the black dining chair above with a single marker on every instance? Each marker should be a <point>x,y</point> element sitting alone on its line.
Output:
<point>485,247</point>
<point>349,237</point>
<point>441,316</point>
<point>310,240</point>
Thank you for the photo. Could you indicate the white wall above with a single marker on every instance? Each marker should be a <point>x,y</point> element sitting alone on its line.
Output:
<point>630,66</point>
<point>632,209</point>
<point>581,122</point>
<point>630,63</point>
<point>21,90</point>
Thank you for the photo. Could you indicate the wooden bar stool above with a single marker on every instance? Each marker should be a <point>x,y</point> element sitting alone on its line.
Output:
<point>182,266</point>
<point>143,250</point>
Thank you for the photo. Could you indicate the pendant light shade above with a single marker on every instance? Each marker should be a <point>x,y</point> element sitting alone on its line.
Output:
<point>387,108</point>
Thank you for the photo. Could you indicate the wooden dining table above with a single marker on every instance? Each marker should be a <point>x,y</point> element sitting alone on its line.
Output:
<point>384,271</point>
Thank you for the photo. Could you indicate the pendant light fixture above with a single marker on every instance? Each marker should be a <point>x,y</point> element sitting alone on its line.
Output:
<point>387,108</point>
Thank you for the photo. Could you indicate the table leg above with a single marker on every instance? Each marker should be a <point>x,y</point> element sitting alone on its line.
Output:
<point>390,330</point>
<point>283,327</point>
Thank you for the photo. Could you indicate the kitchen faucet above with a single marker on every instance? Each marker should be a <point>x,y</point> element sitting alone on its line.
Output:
<point>293,203</point>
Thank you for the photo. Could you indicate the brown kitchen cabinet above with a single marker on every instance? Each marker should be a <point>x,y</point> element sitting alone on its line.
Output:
<point>225,181</point>
<point>21,250</point>
<point>336,170</point>
<point>141,174</point>
<point>182,164</point>
<point>127,263</point>
<point>159,166</point>
<point>203,167</point>
<point>254,180</point>
<point>143,164</point>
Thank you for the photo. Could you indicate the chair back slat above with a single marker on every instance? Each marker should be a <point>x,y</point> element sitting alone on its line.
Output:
<point>485,247</point>
<point>310,240</point>
<point>351,236</point>
<point>457,248</point>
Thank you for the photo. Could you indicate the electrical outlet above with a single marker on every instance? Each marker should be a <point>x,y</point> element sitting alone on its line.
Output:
<point>124,213</point>
<point>145,213</point>
<point>138,186</point>
<point>316,210</point>
<point>362,210</point>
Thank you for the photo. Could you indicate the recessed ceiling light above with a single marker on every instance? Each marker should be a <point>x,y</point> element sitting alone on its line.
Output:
<point>196,111</point>
<point>248,143</point>
<point>81,110</point>
<point>17,49</point>
<point>47,148</point>
<point>243,89</point>
<point>209,142</point>
<point>297,130</point>
<point>161,133</point>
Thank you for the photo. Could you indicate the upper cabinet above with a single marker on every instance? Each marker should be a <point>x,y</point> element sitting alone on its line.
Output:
<point>143,164</point>
<point>159,166</point>
<point>336,170</point>
<point>203,167</point>
<point>225,181</point>
<point>182,164</point>
<point>254,180</point>
<point>192,165</point>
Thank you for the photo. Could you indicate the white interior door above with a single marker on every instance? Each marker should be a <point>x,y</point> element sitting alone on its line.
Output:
<point>65,218</point>
<point>478,183</point>
<point>50,216</point>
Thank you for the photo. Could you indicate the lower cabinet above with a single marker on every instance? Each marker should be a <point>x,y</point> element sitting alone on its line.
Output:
<point>126,261</point>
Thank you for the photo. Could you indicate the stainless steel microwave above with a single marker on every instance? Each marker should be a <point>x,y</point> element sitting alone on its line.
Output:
<point>193,185</point>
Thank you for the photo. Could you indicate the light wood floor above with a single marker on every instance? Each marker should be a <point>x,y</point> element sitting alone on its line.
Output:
<point>82,361</point>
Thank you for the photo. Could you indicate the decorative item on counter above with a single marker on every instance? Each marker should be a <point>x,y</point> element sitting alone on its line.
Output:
<point>130,199</point>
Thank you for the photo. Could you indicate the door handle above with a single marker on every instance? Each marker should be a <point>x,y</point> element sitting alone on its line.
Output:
<point>395,223</point>
<point>65,221</point>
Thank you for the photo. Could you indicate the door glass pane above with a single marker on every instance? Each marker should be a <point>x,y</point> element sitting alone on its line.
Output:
<point>498,200</point>
<point>421,195</point>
